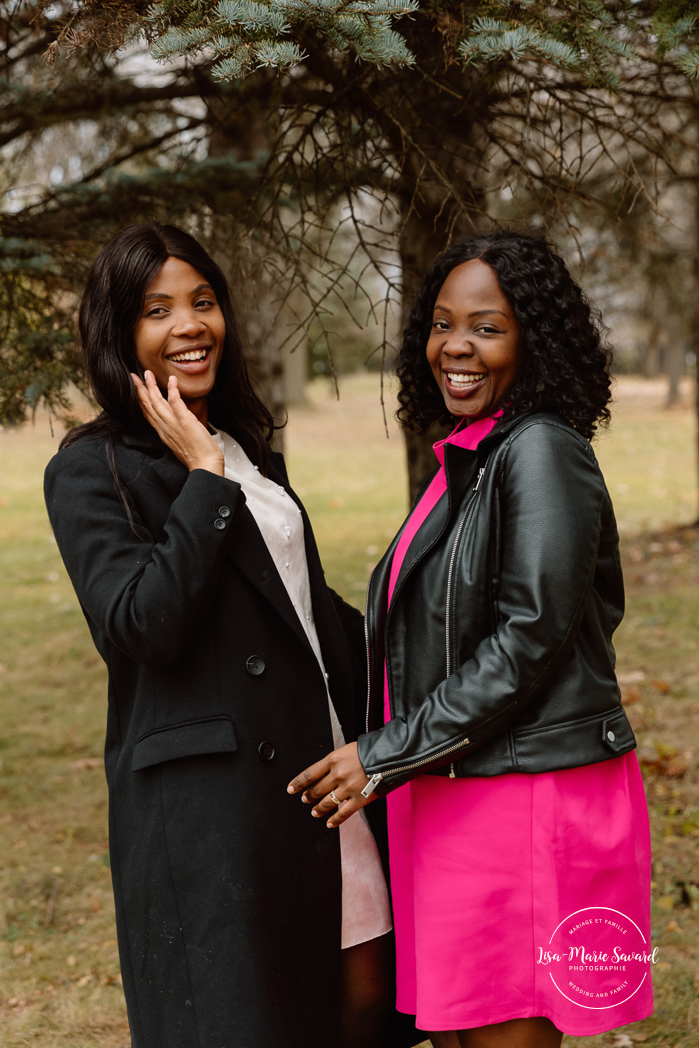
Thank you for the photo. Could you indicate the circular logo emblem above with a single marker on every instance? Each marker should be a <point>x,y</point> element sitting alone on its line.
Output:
<point>597,958</point>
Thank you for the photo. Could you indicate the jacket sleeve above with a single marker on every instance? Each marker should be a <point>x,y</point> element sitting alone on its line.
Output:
<point>353,624</point>
<point>551,498</point>
<point>147,597</point>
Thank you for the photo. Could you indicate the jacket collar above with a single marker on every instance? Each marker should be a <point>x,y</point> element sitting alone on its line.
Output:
<point>502,429</point>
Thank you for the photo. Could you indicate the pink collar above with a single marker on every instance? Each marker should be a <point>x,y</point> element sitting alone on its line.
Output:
<point>467,436</point>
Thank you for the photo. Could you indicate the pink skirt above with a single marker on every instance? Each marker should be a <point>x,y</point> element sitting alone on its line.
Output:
<point>523,895</point>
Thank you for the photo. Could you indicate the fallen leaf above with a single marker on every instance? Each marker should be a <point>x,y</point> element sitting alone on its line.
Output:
<point>18,845</point>
<point>630,693</point>
<point>19,949</point>
<point>661,685</point>
<point>85,979</point>
<point>632,677</point>
<point>71,961</point>
<point>87,762</point>
<point>664,761</point>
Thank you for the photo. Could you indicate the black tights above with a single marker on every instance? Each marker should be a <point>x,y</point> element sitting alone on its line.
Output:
<point>515,1033</point>
<point>366,992</point>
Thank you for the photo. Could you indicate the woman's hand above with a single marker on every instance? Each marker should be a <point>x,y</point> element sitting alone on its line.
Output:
<point>340,772</point>
<point>177,426</point>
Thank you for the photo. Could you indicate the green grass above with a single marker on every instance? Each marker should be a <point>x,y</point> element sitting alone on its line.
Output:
<point>59,982</point>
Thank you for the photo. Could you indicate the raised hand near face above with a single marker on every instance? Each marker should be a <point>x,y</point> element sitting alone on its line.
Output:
<point>177,426</point>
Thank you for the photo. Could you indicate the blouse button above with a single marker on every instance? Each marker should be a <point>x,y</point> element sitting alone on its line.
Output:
<point>223,511</point>
<point>219,524</point>
<point>611,736</point>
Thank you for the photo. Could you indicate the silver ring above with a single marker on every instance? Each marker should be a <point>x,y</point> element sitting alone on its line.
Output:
<point>333,798</point>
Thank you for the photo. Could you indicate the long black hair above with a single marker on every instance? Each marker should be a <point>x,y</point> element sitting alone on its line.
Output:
<point>109,312</point>
<point>565,354</point>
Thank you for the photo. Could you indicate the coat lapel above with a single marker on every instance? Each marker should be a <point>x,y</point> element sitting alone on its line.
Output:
<point>249,551</point>
<point>250,555</point>
<point>461,469</point>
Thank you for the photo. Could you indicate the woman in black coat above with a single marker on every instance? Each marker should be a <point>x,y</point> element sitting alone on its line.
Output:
<point>224,678</point>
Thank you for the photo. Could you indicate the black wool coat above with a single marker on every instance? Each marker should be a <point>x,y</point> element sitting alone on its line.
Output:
<point>228,894</point>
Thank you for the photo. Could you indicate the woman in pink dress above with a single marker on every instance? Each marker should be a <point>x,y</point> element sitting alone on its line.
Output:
<point>518,828</point>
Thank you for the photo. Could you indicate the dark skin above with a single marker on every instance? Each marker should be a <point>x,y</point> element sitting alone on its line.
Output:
<point>474,352</point>
<point>182,319</point>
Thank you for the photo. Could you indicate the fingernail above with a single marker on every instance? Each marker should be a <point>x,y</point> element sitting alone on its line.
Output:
<point>305,800</point>
<point>315,814</point>
<point>290,789</point>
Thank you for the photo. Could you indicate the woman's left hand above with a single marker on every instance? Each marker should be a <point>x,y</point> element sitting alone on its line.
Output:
<point>341,773</point>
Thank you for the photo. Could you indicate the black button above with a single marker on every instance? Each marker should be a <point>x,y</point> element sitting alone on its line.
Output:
<point>223,511</point>
<point>255,665</point>
<point>219,524</point>
<point>265,751</point>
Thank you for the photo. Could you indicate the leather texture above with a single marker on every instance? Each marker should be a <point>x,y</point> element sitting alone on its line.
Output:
<point>498,643</point>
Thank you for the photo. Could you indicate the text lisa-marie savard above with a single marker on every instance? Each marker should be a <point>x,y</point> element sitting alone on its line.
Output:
<point>580,958</point>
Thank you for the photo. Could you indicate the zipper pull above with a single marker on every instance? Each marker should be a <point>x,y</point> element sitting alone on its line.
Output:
<point>371,785</point>
<point>452,773</point>
<point>481,471</point>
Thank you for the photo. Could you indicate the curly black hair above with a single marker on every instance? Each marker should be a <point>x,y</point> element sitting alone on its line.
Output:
<point>565,351</point>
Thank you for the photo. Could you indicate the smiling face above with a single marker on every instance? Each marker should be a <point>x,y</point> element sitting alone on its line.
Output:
<point>474,343</point>
<point>181,332</point>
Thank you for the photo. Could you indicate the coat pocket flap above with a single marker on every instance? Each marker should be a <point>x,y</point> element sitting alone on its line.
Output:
<point>188,739</point>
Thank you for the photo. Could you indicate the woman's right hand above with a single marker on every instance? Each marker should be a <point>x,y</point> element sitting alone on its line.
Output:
<point>177,426</point>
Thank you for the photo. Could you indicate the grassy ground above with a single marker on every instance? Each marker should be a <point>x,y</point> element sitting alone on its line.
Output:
<point>59,976</point>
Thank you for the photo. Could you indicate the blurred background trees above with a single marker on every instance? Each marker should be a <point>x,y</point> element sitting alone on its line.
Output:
<point>326,151</point>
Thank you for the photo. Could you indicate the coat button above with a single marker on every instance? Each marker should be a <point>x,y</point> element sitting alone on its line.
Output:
<point>219,524</point>
<point>223,511</point>
<point>265,751</point>
<point>255,665</point>
<point>611,736</point>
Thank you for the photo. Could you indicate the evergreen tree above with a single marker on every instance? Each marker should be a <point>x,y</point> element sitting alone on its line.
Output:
<point>434,110</point>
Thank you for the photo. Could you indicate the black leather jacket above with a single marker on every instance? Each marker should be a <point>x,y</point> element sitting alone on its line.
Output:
<point>498,643</point>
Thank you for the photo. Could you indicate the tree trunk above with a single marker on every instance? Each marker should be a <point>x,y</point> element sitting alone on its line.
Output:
<point>695,310</point>
<point>244,131</point>
<point>651,364</point>
<point>422,237</point>
<point>674,364</point>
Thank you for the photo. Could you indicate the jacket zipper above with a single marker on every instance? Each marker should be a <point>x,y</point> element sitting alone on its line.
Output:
<point>376,779</point>
<point>368,655</point>
<point>481,472</point>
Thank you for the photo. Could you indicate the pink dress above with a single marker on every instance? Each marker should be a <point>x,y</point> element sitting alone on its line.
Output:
<point>520,895</point>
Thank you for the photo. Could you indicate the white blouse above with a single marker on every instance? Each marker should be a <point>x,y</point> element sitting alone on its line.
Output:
<point>365,908</point>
